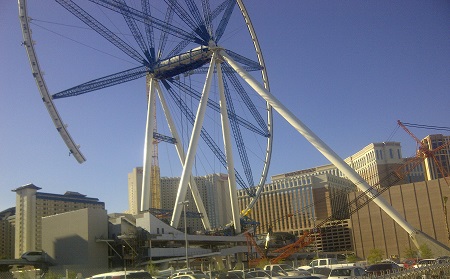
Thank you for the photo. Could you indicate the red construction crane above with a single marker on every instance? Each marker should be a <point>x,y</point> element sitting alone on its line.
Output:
<point>424,152</point>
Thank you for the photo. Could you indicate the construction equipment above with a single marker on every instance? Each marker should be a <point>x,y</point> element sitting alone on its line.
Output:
<point>424,152</point>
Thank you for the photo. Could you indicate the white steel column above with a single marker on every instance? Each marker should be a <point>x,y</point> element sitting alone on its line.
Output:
<point>180,150</point>
<point>319,144</point>
<point>148,150</point>
<point>192,149</point>
<point>229,153</point>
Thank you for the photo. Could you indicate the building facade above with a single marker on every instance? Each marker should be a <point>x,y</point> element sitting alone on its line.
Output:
<point>135,190</point>
<point>441,145</point>
<point>72,240</point>
<point>214,193</point>
<point>376,161</point>
<point>422,206</point>
<point>296,202</point>
<point>32,205</point>
<point>7,233</point>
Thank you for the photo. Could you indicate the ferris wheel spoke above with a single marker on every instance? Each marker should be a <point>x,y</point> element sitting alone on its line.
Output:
<point>241,91</point>
<point>164,35</point>
<point>215,106</point>
<point>206,7</point>
<point>248,64</point>
<point>140,16</point>
<point>182,156</point>
<point>182,44</point>
<point>204,134</point>
<point>199,19</point>
<point>135,30</point>
<point>225,19</point>
<point>103,82</point>
<point>149,28</point>
<point>238,136</point>
<point>189,21</point>
<point>100,29</point>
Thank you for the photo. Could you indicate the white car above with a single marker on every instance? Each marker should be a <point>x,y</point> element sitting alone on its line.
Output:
<point>425,262</point>
<point>347,272</point>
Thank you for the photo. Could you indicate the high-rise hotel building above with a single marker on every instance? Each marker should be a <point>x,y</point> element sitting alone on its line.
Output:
<point>213,189</point>
<point>214,193</point>
<point>297,201</point>
<point>135,188</point>
<point>7,233</point>
<point>441,144</point>
<point>32,205</point>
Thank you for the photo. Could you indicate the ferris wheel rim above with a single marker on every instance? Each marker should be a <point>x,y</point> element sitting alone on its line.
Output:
<point>265,78</point>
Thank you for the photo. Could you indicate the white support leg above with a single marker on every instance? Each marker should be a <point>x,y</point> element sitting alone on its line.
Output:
<point>192,149</point>
<point>319,144</point>
<point>178,146</point>
<point>146,195</point>
<point>229,153</point>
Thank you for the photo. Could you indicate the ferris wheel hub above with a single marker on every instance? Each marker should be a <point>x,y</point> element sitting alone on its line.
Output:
<point>182,63</point>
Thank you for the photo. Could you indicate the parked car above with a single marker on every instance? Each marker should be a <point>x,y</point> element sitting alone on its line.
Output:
<point>391,261</point>
<point>139,274</point>
<point>261,274</point>
<point>285,269</point>
<point>347,272</point>
<point>409,263</point>
<point>35,256</point>
<point>321,272</point>
<point>182,272</point>
<point>383,268</point>
<point>191,276</point>
<point>237,274</point>
<point>425,262</point>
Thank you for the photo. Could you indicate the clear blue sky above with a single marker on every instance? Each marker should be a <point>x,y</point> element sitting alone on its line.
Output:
<point>348,69</point>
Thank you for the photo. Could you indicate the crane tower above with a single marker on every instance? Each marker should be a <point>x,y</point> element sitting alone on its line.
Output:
<point>155,182</point>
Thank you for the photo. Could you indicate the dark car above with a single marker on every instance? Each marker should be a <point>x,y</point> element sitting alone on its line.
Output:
<point>383,268</point>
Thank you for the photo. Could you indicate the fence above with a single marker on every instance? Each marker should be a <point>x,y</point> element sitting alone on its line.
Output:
<point>440,271</point>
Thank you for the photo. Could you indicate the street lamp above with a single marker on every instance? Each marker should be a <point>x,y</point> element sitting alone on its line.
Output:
<point>124,261</point>
<point>315,236</point>
<point>185,203</point>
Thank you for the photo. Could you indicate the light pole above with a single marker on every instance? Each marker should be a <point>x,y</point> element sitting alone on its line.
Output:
<point>185,203</point>
<point>124,261</point>
<point>315,236</point>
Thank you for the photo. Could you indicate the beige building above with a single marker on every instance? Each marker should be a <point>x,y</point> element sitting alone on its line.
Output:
<point>7,233</point>
<point>374,163</point>
<point>74,241</point>
<point>32,206</point>
<point>213,190</point>
<point>442,155</point>
<point>420,203</point>
<point>297,201</point>
<point>135,189</point>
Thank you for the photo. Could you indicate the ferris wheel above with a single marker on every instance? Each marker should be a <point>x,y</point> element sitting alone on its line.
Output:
<point>191,55</point>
